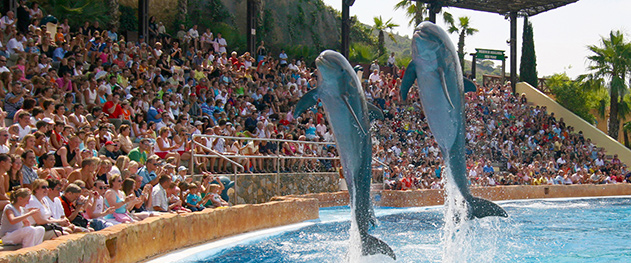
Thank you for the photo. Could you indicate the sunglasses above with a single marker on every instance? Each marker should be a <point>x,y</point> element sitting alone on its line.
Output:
<point>103,187</point>
<point>44,187</point>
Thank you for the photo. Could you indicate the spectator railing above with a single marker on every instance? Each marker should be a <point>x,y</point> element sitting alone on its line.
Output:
<point>277,157</point>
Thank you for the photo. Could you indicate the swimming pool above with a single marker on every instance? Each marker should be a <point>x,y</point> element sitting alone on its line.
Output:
<point>547,230</point>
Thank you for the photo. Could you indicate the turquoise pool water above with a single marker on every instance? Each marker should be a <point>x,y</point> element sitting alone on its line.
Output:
<point>561,230</point>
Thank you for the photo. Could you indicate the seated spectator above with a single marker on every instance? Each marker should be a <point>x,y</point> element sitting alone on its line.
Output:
<point>73,203</point>
<point>115,198</point>
<point>40,201</point>
<point>95,208</point>
<point>160,201</point>
<point>15,227</point>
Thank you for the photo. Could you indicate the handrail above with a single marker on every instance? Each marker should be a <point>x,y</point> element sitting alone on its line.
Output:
<point>277,157</point>
<point>217,154</point>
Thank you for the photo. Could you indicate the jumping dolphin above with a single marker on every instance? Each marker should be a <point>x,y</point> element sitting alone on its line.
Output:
<point>436,68</point>
<point>341,94</point>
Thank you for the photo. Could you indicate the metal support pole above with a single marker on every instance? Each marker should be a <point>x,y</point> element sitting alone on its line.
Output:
<point>251,26</point>
<point>473,65</point>
<point>513,50</point>
<point>434,8</point>
<point>346,28</point>
<point>143,19</point>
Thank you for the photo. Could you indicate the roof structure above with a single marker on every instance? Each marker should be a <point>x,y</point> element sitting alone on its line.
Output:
<point>503,7</point>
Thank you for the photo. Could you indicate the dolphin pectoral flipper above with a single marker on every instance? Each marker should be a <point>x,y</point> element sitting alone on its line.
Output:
<point>469,86</point>
<point>374,113</point>
<point>372,245</point>
<point>350,109</point>
<point>408,80</point>
<point>482,208</point>
<point>443,82</point>
<point>307,101</point>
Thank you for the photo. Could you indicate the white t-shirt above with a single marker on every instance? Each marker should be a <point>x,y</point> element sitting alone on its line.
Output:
<point>14,44</point>
<point>98,206</point>
<point>44,208</point>
<point>56,208</point>
<point>222,45</point>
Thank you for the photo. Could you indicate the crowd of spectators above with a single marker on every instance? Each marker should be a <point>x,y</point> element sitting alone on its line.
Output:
<point>509,142</point>
<point>98,130</point>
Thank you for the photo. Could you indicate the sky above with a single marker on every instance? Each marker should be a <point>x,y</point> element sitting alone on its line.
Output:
<point>561,35</point>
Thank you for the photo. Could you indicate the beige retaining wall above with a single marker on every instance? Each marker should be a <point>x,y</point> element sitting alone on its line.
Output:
<point>158,235</point>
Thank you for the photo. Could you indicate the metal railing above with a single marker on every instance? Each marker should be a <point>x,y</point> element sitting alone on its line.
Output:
<point>277,157</point>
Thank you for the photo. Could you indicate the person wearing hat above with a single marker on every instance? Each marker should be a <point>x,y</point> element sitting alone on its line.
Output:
<point>109,151</point>
<point>181,174</point>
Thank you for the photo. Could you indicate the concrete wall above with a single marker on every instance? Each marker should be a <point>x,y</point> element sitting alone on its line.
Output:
<point>158,235</point>
<point>598,137</point>
<point>436,197</point>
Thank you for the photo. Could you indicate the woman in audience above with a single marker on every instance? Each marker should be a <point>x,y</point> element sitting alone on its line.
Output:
<point>15,227</point>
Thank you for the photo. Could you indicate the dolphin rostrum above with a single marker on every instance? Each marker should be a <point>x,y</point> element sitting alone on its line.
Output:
<point>341,94</point>
<point>437,70</point>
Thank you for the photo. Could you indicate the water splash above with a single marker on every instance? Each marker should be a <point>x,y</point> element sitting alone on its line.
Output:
<point>354,245</point>
<point>467,240</point>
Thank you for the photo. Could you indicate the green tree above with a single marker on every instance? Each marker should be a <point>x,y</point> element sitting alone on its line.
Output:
<point>413,9</point>
<point>610,63</point>
<point>528,65</point>
<point>463,29</point>
<point>381,26</point>
<point>573,97</point>
<point>78,11</point>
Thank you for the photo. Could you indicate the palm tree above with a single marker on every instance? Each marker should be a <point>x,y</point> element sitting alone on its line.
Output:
<point>463,28</point>
<point>382,26</point>
<point>626,129</point>
<point>413,9</point>
<point>610,64</point>
<point>114,12</point>
<point>182,10</point>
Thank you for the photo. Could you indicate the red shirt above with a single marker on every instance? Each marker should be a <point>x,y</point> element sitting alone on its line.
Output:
<point>117,111</point>
<point>68,206</point>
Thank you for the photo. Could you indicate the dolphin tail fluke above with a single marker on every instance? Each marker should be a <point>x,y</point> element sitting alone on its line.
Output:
<point>408,80</point>
<point>372,245</point>
<point>307,101</point>
<point>482,208</point>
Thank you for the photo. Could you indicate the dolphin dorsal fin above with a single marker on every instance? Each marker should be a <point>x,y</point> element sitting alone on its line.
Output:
<point>444,84</point>
<point>408,80</point>
<point>350,109</point>
<point>374,113</point>
<point>307,101</point>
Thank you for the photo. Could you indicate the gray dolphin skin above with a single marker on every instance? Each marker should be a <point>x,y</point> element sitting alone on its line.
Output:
<point>341,94</point>
<point>436,68</point>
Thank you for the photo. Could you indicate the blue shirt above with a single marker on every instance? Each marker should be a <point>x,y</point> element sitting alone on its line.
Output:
<point>146,176</point>
<point>151,115</point>
<point>59,53</point>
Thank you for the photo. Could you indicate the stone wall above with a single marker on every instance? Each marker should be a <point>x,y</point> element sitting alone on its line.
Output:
<point>260,188</point>
<point>158,235</point>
